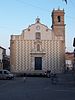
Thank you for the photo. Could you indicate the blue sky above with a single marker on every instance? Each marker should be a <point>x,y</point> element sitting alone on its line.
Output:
<point>16,15</point>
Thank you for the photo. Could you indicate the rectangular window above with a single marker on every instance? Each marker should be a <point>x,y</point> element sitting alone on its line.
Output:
<point>38,35</point>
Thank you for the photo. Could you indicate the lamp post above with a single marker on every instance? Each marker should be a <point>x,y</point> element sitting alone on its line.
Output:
<point>74,54</point>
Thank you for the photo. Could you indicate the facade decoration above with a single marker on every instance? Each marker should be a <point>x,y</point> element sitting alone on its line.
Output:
<point>38,48</point>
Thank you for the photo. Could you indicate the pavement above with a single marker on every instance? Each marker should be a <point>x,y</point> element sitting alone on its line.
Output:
<point>67,78</point>
<point>38,88</point>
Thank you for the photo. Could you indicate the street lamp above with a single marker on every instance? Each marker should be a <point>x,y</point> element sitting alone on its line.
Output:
<point>74,54</point>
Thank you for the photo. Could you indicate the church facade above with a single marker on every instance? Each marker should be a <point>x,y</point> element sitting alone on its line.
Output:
<point>38,48</point>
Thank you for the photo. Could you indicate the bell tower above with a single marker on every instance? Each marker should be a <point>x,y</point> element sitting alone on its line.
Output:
<point>58,25</point>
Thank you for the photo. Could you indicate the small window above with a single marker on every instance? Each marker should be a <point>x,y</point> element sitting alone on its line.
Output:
<point>59,19</point>
<point>38,35</point>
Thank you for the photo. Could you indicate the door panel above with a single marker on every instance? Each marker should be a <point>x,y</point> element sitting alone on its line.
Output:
<point>38,63</point>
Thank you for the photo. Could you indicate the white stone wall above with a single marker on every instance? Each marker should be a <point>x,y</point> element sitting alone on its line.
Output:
<point>46,33</point>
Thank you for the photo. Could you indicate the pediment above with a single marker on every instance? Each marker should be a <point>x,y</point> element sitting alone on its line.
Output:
<point>30,32</point>
<point>36,27</point>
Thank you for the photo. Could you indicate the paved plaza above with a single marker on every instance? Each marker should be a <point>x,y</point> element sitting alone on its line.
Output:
<point>35,88</point>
